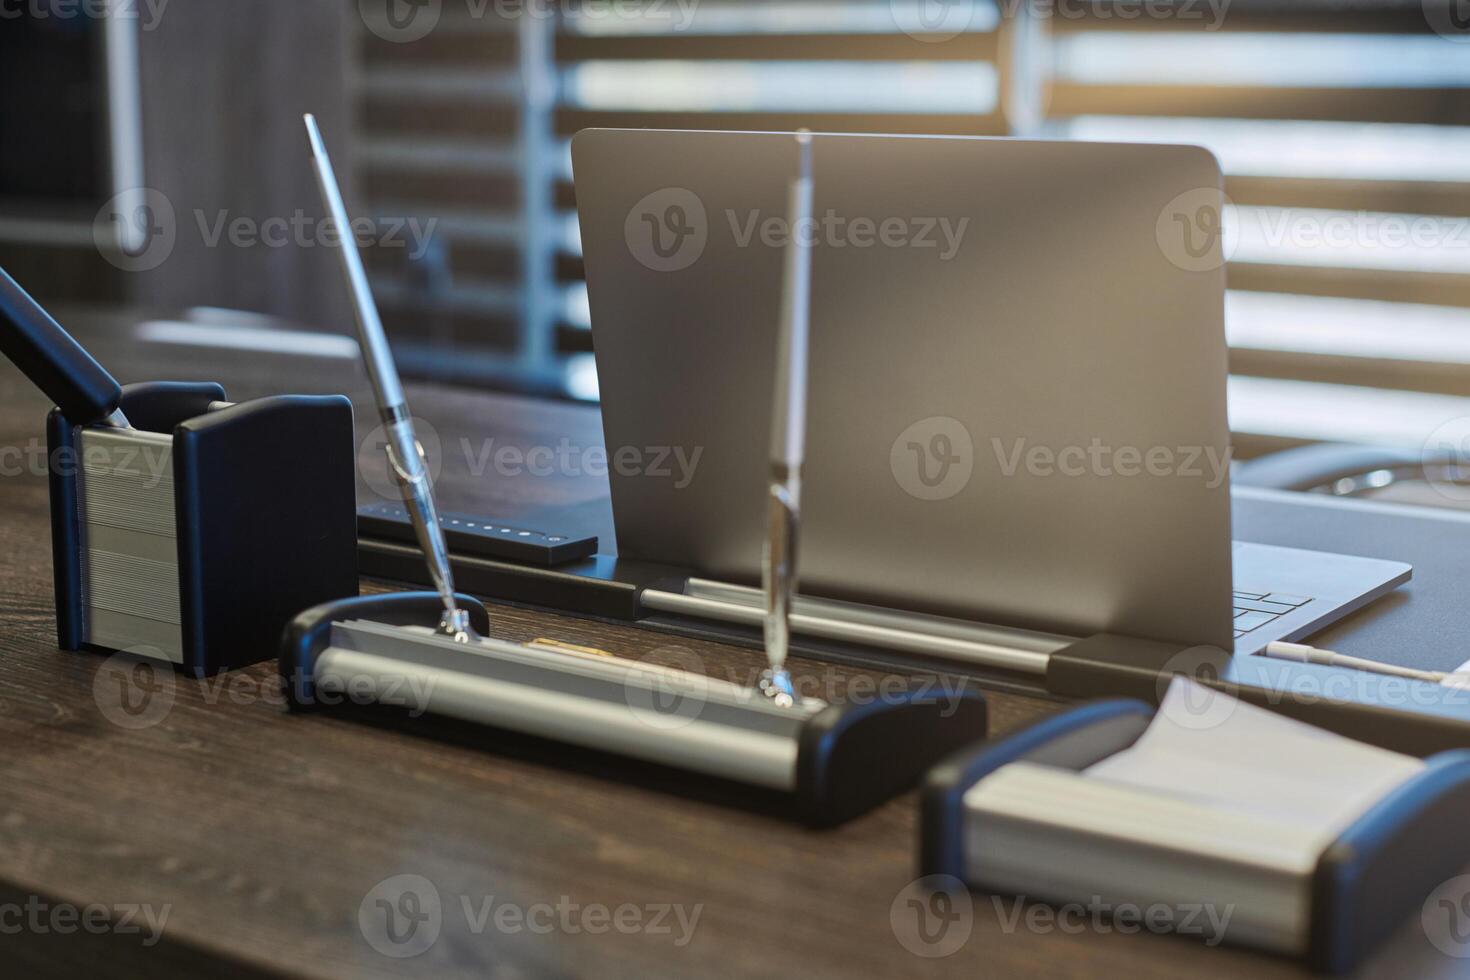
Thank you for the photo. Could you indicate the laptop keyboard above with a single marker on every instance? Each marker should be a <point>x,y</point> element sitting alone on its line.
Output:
<point>1255,609</point>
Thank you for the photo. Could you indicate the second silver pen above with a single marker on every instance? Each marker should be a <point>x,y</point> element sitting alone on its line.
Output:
<point>788,431</point>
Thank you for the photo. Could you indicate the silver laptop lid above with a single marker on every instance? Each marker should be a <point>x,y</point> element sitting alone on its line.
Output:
<point>1018,370</point>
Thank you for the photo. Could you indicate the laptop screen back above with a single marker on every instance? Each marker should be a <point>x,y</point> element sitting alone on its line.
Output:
<point>1018,364</point>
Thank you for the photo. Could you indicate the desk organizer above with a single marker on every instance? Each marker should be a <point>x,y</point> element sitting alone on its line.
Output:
<point>835,761</point>
<point>194,536</point>
<point>1375,874</point>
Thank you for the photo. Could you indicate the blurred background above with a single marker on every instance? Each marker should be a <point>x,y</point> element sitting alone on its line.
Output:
<point>152,161</point>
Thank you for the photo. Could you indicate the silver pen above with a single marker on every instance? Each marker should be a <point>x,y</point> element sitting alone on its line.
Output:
<point>788,431</point>
<point>405,457</point>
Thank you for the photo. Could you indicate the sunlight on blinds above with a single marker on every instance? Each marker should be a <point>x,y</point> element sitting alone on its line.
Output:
<point>1352,327</point>
<point>1302,148</point>
<point>1348,239</point>
<point>695,17</point>
<point>1309,60</point>
<point>828,86</point>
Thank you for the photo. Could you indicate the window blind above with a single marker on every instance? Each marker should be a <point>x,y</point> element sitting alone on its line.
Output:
<point>1343,129</point>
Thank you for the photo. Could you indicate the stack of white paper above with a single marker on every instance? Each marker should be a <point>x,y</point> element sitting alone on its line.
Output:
<point>1219,804</point>
<point>1213,749</point>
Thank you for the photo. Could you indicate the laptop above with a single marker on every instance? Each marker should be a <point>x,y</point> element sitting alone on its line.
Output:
<point>1017,380</point>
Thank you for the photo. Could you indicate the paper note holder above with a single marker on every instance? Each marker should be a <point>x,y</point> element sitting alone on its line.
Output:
<point>836,761</point>
<point>1374,875</point>
<point>195,536</point>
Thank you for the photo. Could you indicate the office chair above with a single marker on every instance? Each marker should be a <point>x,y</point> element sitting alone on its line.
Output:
<point>1352,470</point>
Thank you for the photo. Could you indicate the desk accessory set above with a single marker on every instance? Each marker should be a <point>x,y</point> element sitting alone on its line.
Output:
<point>185,529</point>
<point>834,760</point>
<point>1212,812</point>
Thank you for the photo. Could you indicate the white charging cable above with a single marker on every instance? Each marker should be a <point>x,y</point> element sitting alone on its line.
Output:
<point>1303,654</point>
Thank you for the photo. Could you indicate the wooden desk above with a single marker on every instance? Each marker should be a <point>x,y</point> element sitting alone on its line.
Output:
<point>264,833</point>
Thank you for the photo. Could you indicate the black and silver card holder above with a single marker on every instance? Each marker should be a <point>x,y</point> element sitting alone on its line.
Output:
<point>194,536</point>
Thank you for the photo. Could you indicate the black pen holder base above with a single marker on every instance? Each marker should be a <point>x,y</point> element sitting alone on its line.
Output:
<point>834,761</point>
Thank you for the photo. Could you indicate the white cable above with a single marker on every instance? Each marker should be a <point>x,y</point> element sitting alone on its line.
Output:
<point>1301,653</point>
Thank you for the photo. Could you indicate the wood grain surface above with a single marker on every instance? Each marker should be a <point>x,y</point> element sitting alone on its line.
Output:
<point>264,834</point>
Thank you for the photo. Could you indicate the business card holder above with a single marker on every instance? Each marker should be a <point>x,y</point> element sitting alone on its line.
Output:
<point>1376,873</point>
<point>835,761</point>
<point>195,535</point>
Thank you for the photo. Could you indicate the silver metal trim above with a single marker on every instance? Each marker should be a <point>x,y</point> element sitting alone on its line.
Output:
<point>633,708</point>
<point>1050,850</point>
<point>959,629</point>
<point>128,547</point>
<point>987,646</point>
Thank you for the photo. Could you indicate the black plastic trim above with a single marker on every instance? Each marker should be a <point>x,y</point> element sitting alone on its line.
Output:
<point>941,803</point>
